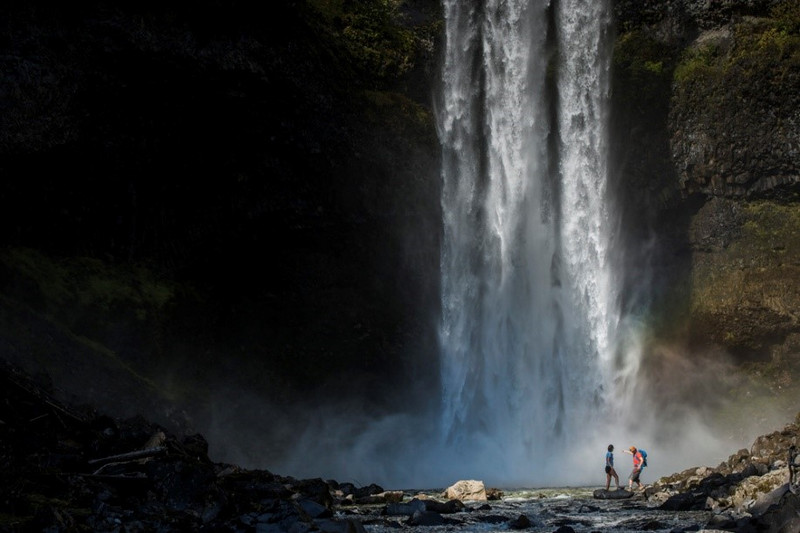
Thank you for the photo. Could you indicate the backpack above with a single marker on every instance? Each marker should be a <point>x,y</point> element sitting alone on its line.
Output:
<point>644,457</point>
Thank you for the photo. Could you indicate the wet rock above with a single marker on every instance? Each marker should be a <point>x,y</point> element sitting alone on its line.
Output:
<point>347,488</point>
<point>181,484</point>
<point>196,446</point>
<point>723,522</point>
<point>449,507</point>
<point>603,494</point>
<point>426,518</point>
<point>282,516</point>
<point>340,526</point>
<point>314,509</point>
<point>407,509</point>
<point>314,489</point>
<point>652,525</point>
<point>492,519</point>
<point>686,529</point>
<point>521,522</point>
<point>369,490</point>
<point>683,501</point>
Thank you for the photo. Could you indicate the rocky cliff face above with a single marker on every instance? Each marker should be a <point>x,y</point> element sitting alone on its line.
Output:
<point>708,92</point>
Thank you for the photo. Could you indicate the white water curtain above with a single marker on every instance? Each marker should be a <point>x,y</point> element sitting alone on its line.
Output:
<point>528,306</point>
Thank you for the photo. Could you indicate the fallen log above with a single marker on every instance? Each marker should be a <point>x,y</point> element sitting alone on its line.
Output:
<point>132,476</point>
<point>129,456</point>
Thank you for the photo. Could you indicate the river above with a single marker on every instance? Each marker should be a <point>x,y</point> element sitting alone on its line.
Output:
<point>547,509</point>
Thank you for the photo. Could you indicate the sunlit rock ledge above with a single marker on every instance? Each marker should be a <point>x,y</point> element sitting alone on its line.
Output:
<point>751,487</point>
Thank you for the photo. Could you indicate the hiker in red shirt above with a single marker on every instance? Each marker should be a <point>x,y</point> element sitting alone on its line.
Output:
<point>638,462</point>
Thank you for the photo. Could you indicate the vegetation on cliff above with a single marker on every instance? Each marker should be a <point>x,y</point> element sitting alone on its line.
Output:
<point>734,105</point>
<point>734,118</point>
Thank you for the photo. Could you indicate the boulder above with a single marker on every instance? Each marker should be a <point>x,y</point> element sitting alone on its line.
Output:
<point>783,516</point>
<point>683,501</point>
<point>619,494</point>
<point>772,499</point>
<point>406,509</point>
<point>314,509</point>
<point>370,490</point>
<point>776,512</point>
<point>521,522</point>
<point>494,494</point>
<point>752,488</point>
<point>392,496</point>
<point>426,518</point>
<point>449,507</point>
<point>466,490</point>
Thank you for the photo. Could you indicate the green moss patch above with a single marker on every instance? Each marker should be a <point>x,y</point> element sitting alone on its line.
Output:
<point>376,36</point>
<point>761,51</point>
<point>86,320</point>
<point>745,295</point>
<point>88,283</point>
<point>643,70</point>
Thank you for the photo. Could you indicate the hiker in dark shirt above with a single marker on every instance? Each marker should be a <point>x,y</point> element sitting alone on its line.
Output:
<point>610,472</point>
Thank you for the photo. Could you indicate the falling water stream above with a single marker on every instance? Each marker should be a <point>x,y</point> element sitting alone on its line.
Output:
<point>528,303</point>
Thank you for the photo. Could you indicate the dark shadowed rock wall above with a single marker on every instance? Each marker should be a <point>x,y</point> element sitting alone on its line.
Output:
<point>198,193</point>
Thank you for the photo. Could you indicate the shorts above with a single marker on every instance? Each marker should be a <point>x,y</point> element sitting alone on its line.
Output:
<point>608,469</point>
<point>635,476</point>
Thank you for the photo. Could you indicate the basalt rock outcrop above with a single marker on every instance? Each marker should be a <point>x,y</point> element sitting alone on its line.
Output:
<point>706,119</point>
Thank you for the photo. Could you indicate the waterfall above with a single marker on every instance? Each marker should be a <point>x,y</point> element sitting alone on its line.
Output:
<point>528,299</point>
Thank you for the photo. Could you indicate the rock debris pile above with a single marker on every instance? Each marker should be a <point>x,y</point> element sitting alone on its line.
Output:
<point>67,469</point>
<point>751,491</point>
